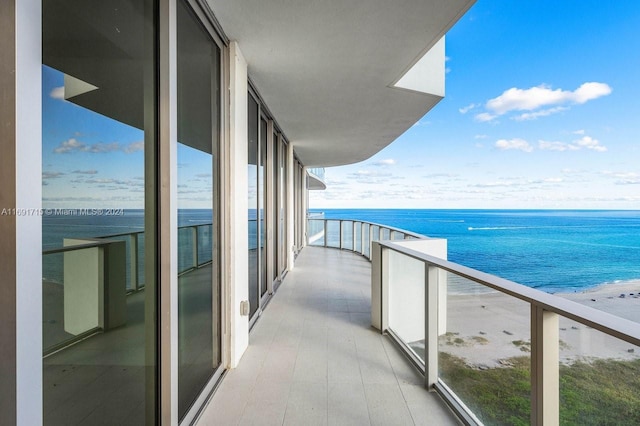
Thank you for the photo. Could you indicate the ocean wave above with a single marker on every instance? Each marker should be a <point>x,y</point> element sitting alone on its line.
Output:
<point>501,228</point>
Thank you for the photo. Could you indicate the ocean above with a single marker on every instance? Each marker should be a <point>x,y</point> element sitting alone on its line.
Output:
<point>551,250</point>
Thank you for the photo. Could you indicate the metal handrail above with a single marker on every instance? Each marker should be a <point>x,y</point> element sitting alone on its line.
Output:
<point>366,238</point>
<point>607,323</point>
<point>135,285</point>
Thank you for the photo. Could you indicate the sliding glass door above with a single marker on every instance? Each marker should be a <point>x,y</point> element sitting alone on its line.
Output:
<point>199,306</point>
<point>99,224</point>
<point>253,191</point>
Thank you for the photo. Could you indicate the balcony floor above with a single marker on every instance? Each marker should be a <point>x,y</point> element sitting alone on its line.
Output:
<point>313,357</point>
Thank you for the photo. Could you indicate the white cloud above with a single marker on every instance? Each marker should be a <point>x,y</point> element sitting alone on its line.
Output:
<point>532,99</point>
<point>74,145</point>
<point>57,93</point>
<point>134,147</point>
<point>384,163</point>
<point>578,132</point>
<point>467,108</point>
<point>101,147</point>
<point>586,142</point>
<point>51,175</point>
<point>515,99</point>
<point>624,178</point>
<point>556,146</point>
<point>542,113</point>
<point>440,175</point>
<point>480,137</point>
<point>70,145</point>
<point>484,117</point>
<point>590,143</point>
<point>517,144</point>
<point>85,172</point>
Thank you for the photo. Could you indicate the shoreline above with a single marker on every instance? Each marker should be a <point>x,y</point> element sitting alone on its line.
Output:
<point>488,328</point>
<point>608,297</point>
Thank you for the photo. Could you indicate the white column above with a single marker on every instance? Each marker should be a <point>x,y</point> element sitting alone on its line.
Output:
<point>27,168</point>
<point>237,247</point>
<point>291,208</point>
<point>167,281</point>
<point>432,278</point>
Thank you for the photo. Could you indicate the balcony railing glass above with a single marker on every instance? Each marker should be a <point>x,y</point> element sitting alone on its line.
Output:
<point>74,275</point>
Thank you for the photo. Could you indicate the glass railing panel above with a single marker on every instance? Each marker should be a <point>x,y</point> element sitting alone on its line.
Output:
<point>53,332</point>
<point>407,300</point>
<point>347,235</point>
<point>205,244</point>
<point>186,243</point>
<point>397,235</point>
<point>332,235</point>
<point>72,300</point>
<point>316,232</point>
<point>358,237</point>
<point>484,350</point>
<point>599,377</point>
<point>375,233</point>
<point>385,234</point>
<point>366,242</point>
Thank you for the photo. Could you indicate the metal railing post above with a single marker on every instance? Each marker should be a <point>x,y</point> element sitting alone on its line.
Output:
<point>133,258</point>
<point>432,276</point>
<point>370,241</point>
<point>340,232</point>
<point>194,231</point>
<point>326,235</point>
<point>545,375</point>
<point>353,235</point>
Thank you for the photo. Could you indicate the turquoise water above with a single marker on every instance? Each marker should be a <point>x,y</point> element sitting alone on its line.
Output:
<point>552,250</point>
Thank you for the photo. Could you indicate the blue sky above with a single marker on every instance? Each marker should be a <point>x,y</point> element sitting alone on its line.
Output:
<point>92,161</point>
<point>541,110</point>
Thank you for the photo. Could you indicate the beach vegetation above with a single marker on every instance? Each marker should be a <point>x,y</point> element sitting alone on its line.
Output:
<point>594,392</point>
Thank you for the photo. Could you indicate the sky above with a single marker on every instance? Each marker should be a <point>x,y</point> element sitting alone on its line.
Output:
<point>92,161</point>
<point>542,111</point>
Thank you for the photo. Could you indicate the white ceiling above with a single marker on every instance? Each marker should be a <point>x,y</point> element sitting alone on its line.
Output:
<point>327,68</point>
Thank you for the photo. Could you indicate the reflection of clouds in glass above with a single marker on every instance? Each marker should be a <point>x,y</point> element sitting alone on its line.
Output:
<point>57,93</point>
<point>51,175</point>
<point>74,145</point>
<point>134,147</point>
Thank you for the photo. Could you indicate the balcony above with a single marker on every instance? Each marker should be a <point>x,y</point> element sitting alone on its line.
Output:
<point>314,358</point>
<point>497,352</point>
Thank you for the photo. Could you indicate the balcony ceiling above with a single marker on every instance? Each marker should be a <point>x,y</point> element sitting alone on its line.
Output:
<point>326,69</point>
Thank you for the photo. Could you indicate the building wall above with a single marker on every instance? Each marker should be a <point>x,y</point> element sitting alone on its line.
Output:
<point>20,195</point>
<point>238,248</point>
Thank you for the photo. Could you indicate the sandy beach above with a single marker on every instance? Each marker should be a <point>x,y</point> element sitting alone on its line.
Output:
<point>487,329</point>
